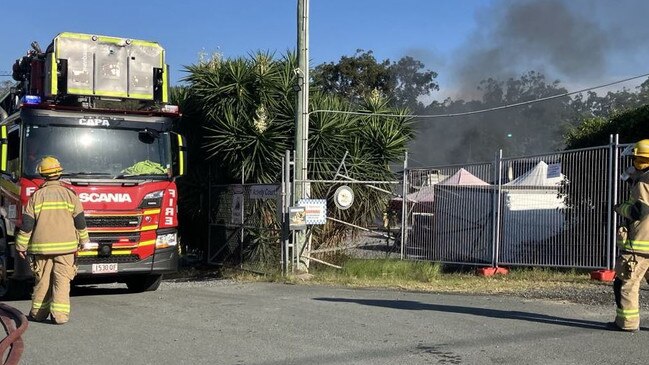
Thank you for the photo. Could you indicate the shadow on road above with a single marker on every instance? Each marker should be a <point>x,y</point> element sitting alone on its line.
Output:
<point>484,312</point>
<point>87,290</point>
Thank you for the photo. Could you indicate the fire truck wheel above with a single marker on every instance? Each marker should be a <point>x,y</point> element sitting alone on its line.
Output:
<point>142,283</point>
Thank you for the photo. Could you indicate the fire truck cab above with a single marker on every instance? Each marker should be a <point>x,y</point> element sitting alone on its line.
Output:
<point>100,106</point>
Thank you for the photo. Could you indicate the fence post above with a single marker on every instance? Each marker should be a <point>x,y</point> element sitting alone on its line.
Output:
<point>294,251</point>
<point>611,225</point>
<point>404,205</point>
<point>283,217</point>
<point>613,201</point>
<point>209,214</point>
<point>242,215</point>
<point>498,165</point>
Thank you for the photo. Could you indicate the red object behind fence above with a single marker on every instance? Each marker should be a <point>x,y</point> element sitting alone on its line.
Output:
<point>603,275</point>
<point>491,271</point>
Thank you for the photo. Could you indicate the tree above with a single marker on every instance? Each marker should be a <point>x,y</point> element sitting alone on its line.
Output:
<point>623,112</point>
<point>354,78</point>
<point>526,129</point>
<point>241,112</point>
<point>593,105</point>
<point>632,125</point>
<point>247,111</point>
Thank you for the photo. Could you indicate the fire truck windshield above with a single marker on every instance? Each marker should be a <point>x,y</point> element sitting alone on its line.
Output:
<point>98,152</point>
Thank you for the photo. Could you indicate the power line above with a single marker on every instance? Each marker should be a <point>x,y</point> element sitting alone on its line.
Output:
<point>481,110</point>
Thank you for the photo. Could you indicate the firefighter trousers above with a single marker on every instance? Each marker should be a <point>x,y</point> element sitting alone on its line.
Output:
<point>53,274</point>
<point>629,270</point>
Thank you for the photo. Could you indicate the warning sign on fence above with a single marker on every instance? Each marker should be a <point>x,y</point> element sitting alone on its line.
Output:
<point>315,210</point>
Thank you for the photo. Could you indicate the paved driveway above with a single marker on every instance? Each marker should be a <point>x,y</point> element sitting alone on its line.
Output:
<point>220,322</point>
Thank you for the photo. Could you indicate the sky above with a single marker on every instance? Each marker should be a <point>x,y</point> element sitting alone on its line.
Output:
<point>582,43</point>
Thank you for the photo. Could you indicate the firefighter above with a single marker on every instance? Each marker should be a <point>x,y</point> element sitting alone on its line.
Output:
<point>633,260</point>
<point>53,227</point>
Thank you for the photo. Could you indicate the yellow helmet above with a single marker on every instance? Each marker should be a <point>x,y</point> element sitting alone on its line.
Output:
<point>50,167</point>
<point>641,148</point>
<point>638,149</point>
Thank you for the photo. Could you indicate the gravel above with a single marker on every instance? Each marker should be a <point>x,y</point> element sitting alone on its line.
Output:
<point>597,293</point>
<point>373,246</point>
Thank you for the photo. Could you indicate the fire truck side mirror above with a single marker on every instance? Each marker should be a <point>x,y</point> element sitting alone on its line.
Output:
<point>4,148</point>
<point>179,146</point>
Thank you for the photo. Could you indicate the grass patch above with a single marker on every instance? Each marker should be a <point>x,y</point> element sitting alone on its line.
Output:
<point>419,276</point>
<point>435,277</point>
<point>386,269</point>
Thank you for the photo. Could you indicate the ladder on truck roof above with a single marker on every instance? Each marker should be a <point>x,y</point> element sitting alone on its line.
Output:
<point>8,102</point>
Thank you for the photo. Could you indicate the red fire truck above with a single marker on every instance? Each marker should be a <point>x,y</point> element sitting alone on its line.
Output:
<point>100,105</point>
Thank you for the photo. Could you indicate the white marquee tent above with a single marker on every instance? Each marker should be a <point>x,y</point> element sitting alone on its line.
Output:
<point>533,210</point>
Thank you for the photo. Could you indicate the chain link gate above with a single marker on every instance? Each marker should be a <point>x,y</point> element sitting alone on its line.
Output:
<point>244,224</point>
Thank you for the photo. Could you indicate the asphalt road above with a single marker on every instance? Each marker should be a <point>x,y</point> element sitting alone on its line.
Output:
<point>221,322</point>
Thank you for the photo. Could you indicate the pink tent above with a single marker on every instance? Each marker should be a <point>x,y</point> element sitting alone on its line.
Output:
<point>462,177</point>
<point>426,194</point>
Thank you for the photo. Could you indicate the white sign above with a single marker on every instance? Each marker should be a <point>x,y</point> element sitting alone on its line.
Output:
<point>554,170</point>
<point>344,197</point>
<point>315,210</point>
<point>237,209</point>
<point>263,191</point>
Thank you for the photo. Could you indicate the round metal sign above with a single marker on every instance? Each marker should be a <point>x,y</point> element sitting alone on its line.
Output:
<point>344,197</point>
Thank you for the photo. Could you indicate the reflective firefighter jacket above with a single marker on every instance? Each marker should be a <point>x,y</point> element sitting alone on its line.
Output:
<point>53,222</point>
<point>636,212</point>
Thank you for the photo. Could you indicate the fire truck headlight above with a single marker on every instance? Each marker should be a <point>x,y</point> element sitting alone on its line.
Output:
<point>152,200</point>
<point>166,240</point>
<point>89,246</point>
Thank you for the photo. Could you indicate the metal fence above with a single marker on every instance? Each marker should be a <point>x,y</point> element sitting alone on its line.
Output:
<point>243,223</point>
<point>550,210</point>
<point>450,214</point>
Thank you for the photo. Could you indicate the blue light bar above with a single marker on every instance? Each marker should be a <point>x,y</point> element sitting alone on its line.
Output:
<point>31,99</point>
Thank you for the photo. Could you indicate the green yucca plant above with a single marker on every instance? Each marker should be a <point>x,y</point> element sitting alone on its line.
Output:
<point>240,114</point>
<point>248,114</point>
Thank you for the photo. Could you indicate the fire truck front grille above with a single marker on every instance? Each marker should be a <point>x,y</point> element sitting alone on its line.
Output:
<point>87,260</point>
<point>121,222</point>
<point>113,237</point>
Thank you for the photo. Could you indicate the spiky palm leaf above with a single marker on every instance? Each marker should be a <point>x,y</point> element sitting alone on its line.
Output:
<point>247,122</point>
<point>249,114</point>
<point>373,142</point>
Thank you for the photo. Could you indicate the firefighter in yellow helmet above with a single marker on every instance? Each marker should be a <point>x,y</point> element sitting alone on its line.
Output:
<point>633,261</point>
<point>53,226</point>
